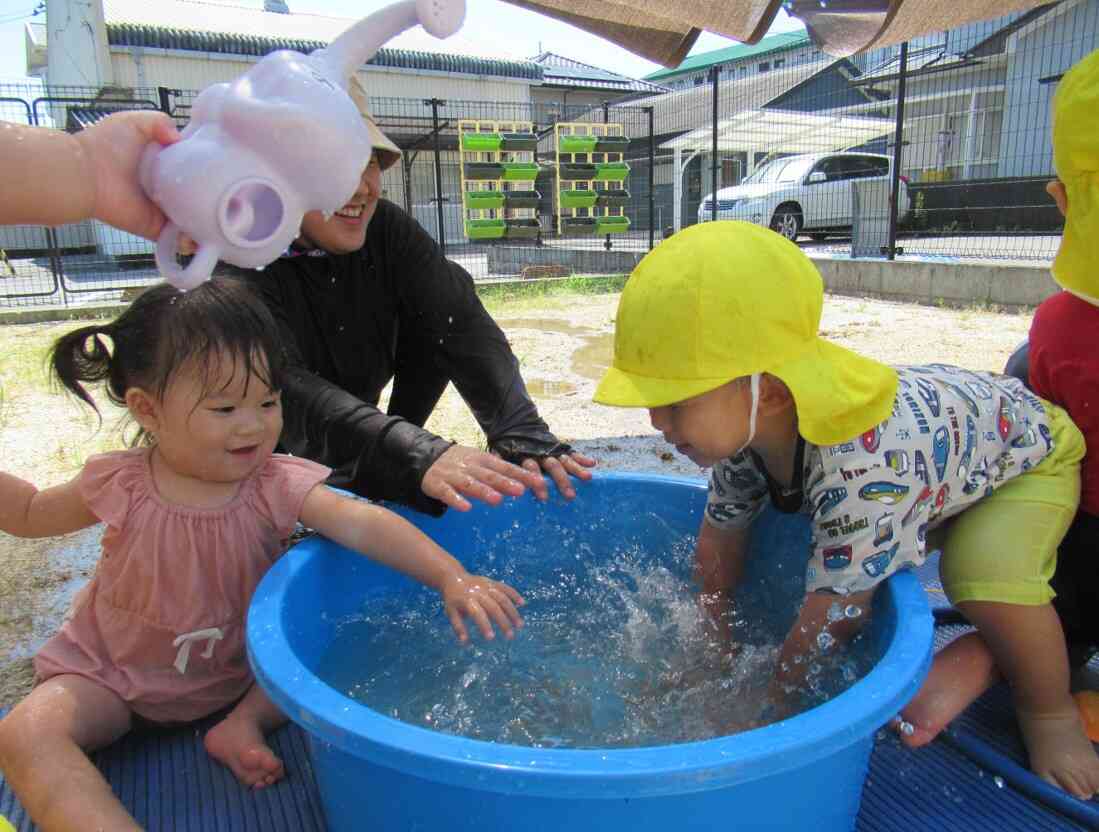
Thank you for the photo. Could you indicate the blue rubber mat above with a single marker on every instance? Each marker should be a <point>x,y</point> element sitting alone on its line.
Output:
<point>170,785</point>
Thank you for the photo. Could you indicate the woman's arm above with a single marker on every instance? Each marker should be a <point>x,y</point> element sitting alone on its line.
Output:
<point>27,512</point>
<point>52,177</point>
<point>392,541</point>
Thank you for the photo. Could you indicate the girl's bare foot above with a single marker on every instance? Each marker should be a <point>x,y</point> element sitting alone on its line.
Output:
<point>960,673</point>
<point>238,743</point>
<point>1059,751</point>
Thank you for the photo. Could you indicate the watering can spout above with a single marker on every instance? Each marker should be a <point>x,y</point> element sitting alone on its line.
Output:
<point>282,140</point>
<point>357,45</point>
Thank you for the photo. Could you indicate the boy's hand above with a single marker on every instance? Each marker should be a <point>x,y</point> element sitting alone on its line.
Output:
<point>113,149</point>
<point>484,600</point>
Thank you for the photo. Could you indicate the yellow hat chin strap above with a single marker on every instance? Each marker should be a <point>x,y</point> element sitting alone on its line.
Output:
<point>752,416</point>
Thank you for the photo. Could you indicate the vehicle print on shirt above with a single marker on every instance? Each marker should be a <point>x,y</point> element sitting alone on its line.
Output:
<point>940,451</point>
<point>872,438</point>
<point>740,478</point>
<point>889,493</point>
<point>1003,463</point>
<point>980,389</point>
<point>836,557</point>
<point>897,460</point>
<point>921,533</point>
<point>929,394</point>
<point>970,405</point>
<point>883,530</point>
<point>1027,439</point>
<point>1047,437</point>
<point>828,500</point>
<point>916,509</point>
<point>877,564</point>
<point>1005,418</point>
<point>977,478</point>
<point>920,467</point>
<point>970,445</point>
<point>941,500</point>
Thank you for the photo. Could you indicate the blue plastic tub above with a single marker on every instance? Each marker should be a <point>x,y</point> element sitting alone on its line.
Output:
<point>805,773</point>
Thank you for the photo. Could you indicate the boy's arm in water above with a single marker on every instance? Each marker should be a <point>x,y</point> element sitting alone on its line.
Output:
<point>803,643</point>
<point>27,512</point>
<point>392,541</point>
<point>719,566</point>
<point>51,177</point>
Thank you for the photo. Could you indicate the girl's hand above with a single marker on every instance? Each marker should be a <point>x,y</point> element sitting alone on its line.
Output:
<point>483,600</point>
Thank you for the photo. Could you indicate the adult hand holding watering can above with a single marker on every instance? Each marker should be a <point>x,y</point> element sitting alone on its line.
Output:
<point>283,139</point>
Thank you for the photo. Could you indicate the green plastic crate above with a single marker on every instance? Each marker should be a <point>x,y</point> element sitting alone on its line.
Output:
<point>612,198</point>
<point>577,172</point>
<point>484,200</point>
<point>611,225</point>
<point>522,199</point>
<point>578,199</point>
<point>518,141</point>
<point>485,229</point>
<point>526,229</point>
<point>577,226</point>
<point>611,144</point>
<point>611,171</point>
<point>484,170</point>
<point>481,142</point>
<point>577,144</point>
<point>520,171</point>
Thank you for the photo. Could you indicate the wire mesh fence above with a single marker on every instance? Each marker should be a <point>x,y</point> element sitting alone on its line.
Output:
<point>938,149</point>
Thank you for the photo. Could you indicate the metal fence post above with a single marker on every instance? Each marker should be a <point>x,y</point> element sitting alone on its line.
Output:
<point>606,119</point>
<point>652,179</point>
<point>435,104</point>
<point>715,74</point>
<point>898,142</point>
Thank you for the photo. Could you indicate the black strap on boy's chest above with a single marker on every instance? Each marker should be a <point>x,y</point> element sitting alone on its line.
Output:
<point>786,500</point>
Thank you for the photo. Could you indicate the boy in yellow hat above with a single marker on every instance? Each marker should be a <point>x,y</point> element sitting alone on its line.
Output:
<point>717,335</point>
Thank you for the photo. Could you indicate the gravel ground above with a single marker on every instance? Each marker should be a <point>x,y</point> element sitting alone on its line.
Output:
<point>563,343</point>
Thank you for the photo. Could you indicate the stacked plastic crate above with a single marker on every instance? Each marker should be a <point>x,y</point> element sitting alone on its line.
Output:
<point>591,175</point>
<point>498,169</point>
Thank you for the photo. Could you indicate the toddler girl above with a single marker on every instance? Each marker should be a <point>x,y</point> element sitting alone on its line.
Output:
<point>194,516</point>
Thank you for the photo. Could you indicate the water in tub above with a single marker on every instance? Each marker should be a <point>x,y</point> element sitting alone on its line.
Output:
<point>614,653</point>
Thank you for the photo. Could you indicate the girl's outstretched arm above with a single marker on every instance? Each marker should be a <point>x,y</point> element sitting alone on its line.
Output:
<point>391,540</point>
<point>27,512</point>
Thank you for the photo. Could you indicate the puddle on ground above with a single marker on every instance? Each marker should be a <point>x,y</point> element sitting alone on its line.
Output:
<point>542,388</point>
<point>590,360</point>
<point>593,359</point>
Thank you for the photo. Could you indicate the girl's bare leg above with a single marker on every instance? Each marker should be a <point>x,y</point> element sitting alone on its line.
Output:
<point>44,745</point>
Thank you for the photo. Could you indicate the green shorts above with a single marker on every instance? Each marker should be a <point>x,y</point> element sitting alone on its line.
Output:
<point>1004,547</point>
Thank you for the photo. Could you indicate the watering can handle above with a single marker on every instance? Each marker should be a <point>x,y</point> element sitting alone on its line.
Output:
<point>197,271</point>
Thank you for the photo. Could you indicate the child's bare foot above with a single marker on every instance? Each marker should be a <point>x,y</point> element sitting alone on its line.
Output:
<point>1059,751</point>
<point>960,673</point>
<point>238,743</point>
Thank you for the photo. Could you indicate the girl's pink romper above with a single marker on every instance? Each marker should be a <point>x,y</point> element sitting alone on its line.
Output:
<point>161,623</point>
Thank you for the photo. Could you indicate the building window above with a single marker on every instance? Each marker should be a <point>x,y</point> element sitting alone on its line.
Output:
<point>698,79</point>
<point>765,66</point>
<point>779,62</point>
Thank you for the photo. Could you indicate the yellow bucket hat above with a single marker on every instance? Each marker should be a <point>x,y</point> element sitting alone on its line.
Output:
<point>1076,159</point>
<point>388,152</point>
<point>722,300</point>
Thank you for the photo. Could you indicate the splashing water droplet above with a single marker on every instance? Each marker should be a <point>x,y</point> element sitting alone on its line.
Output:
<point>999,781</point>
<point>835,613</point>
<point>907,728</point>
<point>327,215</point>
<point>853,611</point>
<point>825,641</point>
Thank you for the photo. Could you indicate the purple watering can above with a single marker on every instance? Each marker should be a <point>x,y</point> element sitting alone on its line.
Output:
<point>283,139</point>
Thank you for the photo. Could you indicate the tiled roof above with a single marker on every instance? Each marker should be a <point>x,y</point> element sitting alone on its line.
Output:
<point>771,43</point>
<point>243,28</point>
<point>557,70</point>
